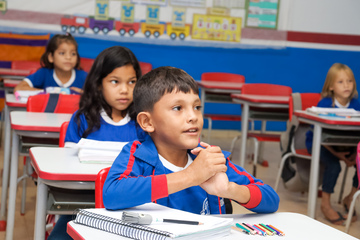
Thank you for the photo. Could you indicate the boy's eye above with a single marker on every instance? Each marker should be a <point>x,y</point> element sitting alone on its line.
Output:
<point>177,108</point>
<point>61,53</point>
<point>132,82</point>
<point>114,81</point>
<point>73,54</point>
<point>198,107</point>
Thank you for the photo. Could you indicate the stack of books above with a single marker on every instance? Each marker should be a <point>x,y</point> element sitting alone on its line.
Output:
<point>333,112</point>
<point>93,151</point>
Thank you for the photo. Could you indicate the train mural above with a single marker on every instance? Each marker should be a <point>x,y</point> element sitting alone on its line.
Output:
<point>204,27</point>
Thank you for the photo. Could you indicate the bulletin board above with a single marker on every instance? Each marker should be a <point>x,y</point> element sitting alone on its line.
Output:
<point>262,13</point>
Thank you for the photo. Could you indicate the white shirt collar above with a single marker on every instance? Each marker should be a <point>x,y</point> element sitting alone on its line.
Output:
<point>171,166</point>
<point>107,119</point>
<point>68,83</point>
<point>341,106</point>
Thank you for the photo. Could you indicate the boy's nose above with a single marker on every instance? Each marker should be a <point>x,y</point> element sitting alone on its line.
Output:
<point>192,117</point>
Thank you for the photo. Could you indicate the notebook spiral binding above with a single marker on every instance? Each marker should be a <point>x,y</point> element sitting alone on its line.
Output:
<point>119,227</point>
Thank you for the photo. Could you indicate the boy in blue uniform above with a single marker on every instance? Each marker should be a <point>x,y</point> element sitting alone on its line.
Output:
<point>168,167</point>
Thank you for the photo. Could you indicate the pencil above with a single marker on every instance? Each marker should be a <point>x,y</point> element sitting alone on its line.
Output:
<point>261,231</point>
<point>282,234</point>
<point>181,221</point>
<point>240,230</point>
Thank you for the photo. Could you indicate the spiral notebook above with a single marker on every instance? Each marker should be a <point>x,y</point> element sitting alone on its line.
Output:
<point>110,221</point>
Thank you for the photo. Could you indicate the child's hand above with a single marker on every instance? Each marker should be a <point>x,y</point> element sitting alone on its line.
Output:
<point>208,162</point>
<point>342,155</point>
<point>76,89</point>
<point>217,185</point>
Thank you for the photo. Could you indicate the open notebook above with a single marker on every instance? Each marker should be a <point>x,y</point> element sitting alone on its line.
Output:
<point>110,221</point>
<point>93,151</point>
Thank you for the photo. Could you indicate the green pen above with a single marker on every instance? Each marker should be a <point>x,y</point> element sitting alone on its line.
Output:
<point>242,228</point>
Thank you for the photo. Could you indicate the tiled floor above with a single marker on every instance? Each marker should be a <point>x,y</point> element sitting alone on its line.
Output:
<point>289,201</point>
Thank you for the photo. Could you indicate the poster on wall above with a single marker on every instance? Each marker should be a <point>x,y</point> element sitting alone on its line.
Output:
<point>215,23</point>
<point>262,13</point>
<point>189,3</point>
<point>229,3</point>
<point>151,2</point>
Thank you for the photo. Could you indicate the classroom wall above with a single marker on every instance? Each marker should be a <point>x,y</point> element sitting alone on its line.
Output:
<point>311,36</point>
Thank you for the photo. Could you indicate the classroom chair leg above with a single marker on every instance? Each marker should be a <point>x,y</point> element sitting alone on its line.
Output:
<point>351,211</point>
<point>343,185</point>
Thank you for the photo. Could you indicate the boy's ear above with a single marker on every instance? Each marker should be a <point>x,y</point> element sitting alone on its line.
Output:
<point>50,58</point>
<point>144,120</point>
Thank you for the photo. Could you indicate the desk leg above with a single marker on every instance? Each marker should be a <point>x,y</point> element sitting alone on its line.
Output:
<point>12,188</point>
<point>6,167</point>
<point>202,100</point>
<point>314,171</point>
<point>244,129</point>
<point>40,211</point>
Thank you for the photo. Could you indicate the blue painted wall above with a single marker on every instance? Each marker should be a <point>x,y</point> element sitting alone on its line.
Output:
<point>304,70</point>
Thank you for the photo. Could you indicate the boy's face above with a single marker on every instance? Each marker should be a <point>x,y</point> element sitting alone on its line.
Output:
<point>177,121</point>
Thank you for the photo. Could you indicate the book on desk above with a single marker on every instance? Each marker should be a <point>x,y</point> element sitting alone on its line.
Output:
<point>334,112</point>
<point>93,151</point>
<point>111,221</point>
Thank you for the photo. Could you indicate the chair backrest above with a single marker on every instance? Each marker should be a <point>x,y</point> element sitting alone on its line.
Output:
<point>33,66</point>
<point>302,102</point>
<point>86,63</point>
<point>56,103</point>
<point>224,77</point>
<point>145,67</point>
<point>99,183</point>
<point>63,129</point>
<point>266,89</point>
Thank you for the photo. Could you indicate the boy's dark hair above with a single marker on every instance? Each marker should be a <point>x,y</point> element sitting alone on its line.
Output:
<point>53,44</point>
<point>153,85</point>
<point>92,100</point>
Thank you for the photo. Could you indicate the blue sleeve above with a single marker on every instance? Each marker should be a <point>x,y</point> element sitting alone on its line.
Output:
<point>130,182</point>
<point>38,78</point>
<point>263,198</point>
<point>73,132</point>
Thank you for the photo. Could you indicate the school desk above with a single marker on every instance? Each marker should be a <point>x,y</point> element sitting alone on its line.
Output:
<point>11,104</point>
<point>30,124</point>
<point>325,123</point>
<point>59,167</point>
<point>273,106</point>
<point>14,73</point>
<point>10,84</point>
<point>295,226</point>
<point>214,87</point>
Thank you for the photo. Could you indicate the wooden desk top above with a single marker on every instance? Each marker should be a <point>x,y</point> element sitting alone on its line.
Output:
<point>355,121</point>
<point>262,98</point>
<point>62,164</point>
<point>220,85</point>
<point>14,72</point>
<point>38,121</point>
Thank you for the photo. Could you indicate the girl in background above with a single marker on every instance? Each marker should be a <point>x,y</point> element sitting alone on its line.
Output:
<point>104,109</point>
<point>339,91</point>
<point>60,67</point>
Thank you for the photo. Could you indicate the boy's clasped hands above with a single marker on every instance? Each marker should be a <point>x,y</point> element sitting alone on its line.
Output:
<point>209,169</point>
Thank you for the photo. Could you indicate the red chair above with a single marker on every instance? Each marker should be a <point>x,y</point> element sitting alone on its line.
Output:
<point>86,64</point>
<point>295,146</point>
<point>33,66</point>
<point>226,77</point>
<point>99,183</point>
<point>269,90</point>
<point>145,67</point>
<point>63,129</point>
<point>56,103</point>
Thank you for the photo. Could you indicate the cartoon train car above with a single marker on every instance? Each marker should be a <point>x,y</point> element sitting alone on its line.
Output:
<point>74,23</point>
<point>153,29</point>
<point>130,28</point>
<point>178,31</point>
<point>101,25</point>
